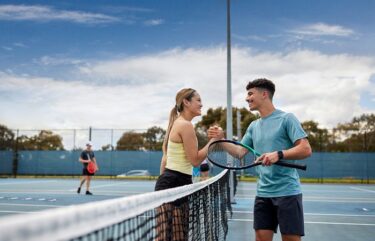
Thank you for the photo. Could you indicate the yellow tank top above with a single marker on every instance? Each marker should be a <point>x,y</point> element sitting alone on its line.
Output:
<point>176,158</point>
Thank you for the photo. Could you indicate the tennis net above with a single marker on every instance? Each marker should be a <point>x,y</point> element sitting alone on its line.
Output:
<point>199,211</point>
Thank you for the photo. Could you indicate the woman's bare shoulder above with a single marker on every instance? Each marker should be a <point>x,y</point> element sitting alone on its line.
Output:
<point>182,123</point>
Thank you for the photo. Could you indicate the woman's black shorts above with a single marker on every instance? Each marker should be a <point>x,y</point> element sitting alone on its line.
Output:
<point>171,179</point>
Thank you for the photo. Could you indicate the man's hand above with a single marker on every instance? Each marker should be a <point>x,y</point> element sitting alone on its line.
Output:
<point>267,159</point>
<point>215,132</point>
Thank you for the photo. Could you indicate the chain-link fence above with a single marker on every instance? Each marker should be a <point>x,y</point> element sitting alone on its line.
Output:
<point>70,139</point>
<point>56,152</point>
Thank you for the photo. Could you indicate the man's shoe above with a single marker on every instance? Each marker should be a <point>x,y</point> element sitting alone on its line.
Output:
<point>88,193</point>
<point>79,190</point>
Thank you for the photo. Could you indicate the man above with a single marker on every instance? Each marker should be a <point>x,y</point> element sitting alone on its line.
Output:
<point>86,157</point>
<point>279,136</point>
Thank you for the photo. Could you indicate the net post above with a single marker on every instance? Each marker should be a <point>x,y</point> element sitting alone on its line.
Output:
<point>231,186</point>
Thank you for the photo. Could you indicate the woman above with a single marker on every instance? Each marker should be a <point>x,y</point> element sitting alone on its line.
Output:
<point>180,154</point>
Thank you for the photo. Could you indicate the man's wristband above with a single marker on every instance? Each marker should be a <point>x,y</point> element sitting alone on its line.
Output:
<point>280,154</point>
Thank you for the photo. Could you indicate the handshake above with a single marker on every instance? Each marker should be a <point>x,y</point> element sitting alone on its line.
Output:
<point>215,132</point>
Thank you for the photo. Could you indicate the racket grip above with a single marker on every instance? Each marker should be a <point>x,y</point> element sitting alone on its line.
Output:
<point>292,165</point>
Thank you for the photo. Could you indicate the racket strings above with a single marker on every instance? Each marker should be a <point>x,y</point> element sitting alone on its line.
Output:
<point>230,155</point>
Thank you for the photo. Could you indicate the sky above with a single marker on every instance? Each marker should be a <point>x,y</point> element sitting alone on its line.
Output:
<point>119,64</point>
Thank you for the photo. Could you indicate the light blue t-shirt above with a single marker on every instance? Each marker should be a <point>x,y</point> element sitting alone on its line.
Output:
<point>275,132</point>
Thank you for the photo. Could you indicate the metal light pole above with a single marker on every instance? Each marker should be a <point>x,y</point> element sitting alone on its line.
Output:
<point>239,133</point>
<point>229,98</point>
<point>90,131</point>
<point>229,78</point>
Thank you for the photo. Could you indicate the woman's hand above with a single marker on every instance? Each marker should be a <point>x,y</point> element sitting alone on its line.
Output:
<point>215,132</point>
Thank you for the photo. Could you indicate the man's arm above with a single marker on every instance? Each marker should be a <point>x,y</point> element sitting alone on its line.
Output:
<point>83,160</point>
<point>299,151</point>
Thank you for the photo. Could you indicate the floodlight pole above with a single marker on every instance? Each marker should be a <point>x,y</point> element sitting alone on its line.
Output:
<point>229,98</point>
<point>90,131</point>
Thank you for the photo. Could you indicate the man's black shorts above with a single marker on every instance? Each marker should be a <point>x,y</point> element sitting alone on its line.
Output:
<point>85,172</point>
<point>285,212</point>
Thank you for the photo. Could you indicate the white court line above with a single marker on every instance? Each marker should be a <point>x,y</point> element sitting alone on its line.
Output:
<point>337,200</point>
<point>34,191</point>
<point>321,214</point>
<point>311,222</point>
<point>246,189</point>
<point>306,190</point>
<point>9,211</point>
<point>108,185</point>
<point>100,186</point>
<point>319,198</point>
<point>30,205</point>
<point>61,193</point>
<point>25,182</point>
<point>362,189</point>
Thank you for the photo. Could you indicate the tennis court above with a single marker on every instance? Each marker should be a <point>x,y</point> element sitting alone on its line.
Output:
<point>332,212</point>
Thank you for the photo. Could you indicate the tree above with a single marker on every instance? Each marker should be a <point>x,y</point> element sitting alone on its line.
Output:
<point>201,137</point>
<point>246,118</point>
<point>318,138</point>
<point>130,141</point>
<point>6,138</point>
<point>218,117</point>
<point>45,141</point>
<point>107,147</point>
<point>357,135</point>
<point>153,138</point>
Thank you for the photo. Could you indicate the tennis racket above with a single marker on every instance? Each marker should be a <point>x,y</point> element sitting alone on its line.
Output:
<point>91,167</point>
<point>234,155</point>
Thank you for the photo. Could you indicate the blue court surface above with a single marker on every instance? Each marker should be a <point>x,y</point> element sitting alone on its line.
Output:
<point>332,212</point>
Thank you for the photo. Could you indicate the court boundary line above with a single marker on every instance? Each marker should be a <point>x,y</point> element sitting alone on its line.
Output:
<point>358,200</point>
<point>311,222</point>
<point>30,205</point>
<point>319,214</point>
<point>362,189</point>
<point>11,211</point>
<point>27,182</point>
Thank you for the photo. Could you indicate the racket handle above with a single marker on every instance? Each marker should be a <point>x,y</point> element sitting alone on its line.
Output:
<point>287,164</point>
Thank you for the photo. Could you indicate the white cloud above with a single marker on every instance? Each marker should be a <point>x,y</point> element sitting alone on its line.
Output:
<point>55,61</point>
<point>35,102</point>
<point>45,14</point>
<point>7,48</point>
<point>323,29</point>
<point>139,91</point>
<point>154,22</point>
<point>249,37</point>
<point>20,45</point>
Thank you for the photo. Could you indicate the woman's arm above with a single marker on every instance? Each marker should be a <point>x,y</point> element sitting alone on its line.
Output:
<point>163,163</point>
<point>190,143</point>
